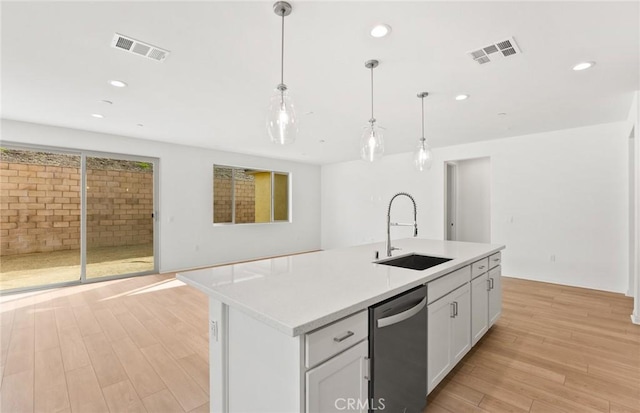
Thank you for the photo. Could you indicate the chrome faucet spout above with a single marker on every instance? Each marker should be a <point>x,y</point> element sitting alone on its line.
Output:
<point>389,223</point>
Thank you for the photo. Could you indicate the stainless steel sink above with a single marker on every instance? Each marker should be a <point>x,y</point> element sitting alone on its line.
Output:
<point>414,261</point>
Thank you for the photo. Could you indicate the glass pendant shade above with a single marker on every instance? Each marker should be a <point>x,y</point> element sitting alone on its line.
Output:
<point>372,143</point>
<point>423,157</point>
<point>281,121</point>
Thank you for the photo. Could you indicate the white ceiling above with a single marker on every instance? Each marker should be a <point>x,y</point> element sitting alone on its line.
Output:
<point>214,88</point>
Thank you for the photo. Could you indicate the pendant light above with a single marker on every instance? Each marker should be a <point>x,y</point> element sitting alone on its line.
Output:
<point>281,121</point>
<point>423,157</point>
<point>371,143</point>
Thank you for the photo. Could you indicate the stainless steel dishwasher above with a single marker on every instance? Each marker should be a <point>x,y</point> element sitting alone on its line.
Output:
<point>398,351</point>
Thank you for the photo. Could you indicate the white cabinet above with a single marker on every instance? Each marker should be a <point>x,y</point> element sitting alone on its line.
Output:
<point>449,335</point>
<point>495,259</point>
<point>461,336</point>
<point>459,319</point>
<point>438,341</point>
<point>486,295</point>
<point>338,354</point>
<point>479,307</point>
<point>328,341</point>
<point>479,267</point>
<point>340,384</point>
<point>495,294</point>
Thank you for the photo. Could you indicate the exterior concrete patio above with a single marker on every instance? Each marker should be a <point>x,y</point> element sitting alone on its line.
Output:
<point>43,268</point>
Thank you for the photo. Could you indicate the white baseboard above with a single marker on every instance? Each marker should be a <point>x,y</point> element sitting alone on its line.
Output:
<point>635,319</point>
<point>629,293</point>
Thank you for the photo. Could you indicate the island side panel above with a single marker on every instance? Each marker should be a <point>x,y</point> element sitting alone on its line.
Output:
<point>218,356</point>
<point>265,367</point>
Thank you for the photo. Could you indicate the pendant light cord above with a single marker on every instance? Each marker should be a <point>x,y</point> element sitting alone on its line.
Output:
<point>422,99</point>
<point>372,118</point>
<point>282,52</point>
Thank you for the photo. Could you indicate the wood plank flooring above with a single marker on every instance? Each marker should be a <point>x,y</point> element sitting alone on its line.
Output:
<point>141,345</point>
<point>555,349</point>
<point>132,345</point>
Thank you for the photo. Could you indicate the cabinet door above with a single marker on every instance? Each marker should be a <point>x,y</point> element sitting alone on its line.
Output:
<point>495,295</point>
<point>340,383</point>
<point>440,314</point>
<point>479,307</point>
<point>461,331</point>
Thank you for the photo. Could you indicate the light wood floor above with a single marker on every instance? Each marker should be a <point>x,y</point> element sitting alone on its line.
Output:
<point>555,349</point>
<point>140,344</point>
<point>134,345</point>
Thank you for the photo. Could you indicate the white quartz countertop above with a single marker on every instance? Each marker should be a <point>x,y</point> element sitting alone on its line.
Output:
<point>299,293</point>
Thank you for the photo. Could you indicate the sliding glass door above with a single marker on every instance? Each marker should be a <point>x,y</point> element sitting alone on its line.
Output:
<point>119,217</point>
<point>39,218</point>
<point>52,232</point>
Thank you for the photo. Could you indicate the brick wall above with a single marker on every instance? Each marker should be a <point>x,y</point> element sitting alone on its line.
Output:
<point>245,196</point>
<point>245,201</point>
<point>40,208</point>
<point>222,202</point>
<point>119,208</point>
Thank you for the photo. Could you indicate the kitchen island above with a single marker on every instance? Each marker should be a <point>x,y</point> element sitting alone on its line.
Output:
<point>277,326</point>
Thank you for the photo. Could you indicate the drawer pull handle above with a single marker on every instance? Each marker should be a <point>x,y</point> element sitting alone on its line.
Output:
<point>488,285</point>
<point>481,267</point>
<point>491,282</point>
<point>454,309</point>
<point>367,367</point>
<point>344,337</point>
<point>496,259</point>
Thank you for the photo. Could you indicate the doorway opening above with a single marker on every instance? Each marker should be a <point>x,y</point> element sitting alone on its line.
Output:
<point>468,200</point>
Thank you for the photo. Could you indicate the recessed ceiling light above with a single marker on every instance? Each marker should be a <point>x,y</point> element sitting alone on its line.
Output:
<point>108,102</point>
<point>117,83</point>
<point>502,114</point>
<point>462,97</point>
<point>583,66</point>
<point>140,124</point>
<point>380,30</point>
<point>97,115</point>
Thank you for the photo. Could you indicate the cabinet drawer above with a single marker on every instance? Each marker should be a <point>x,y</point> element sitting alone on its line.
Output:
<point>334,338</point>
<point>479,267</point>
<point>495,259</point>
<point>447,283</point>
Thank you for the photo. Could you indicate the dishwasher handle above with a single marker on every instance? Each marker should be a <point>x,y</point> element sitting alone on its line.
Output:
<point>396,318</point>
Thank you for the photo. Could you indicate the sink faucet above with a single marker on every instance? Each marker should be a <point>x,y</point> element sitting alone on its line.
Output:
<point>397,224</point>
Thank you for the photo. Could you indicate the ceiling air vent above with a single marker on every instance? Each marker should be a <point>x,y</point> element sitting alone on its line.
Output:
<point>139,48</point>
<point>498,50</point>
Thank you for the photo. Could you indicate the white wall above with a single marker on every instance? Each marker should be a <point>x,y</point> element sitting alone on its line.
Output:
<point>474,200</point>
<point>187,236</point>
<point>561,193</point>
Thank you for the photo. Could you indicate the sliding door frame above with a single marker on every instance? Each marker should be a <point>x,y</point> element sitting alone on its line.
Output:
<point>83,211</point>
